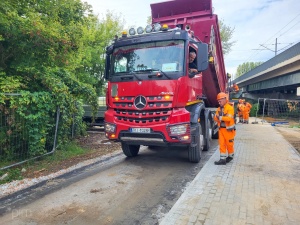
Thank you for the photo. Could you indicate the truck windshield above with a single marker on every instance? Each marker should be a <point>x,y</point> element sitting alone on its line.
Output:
<point>165,56</point>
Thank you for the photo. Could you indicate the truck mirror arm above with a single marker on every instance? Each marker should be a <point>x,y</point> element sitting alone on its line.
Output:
<point>192,74</point>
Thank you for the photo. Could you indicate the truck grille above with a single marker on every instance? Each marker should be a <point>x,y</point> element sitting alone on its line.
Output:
<point>156,110</point>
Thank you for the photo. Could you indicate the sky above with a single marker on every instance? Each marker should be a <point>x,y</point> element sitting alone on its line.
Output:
<point>256,23</point>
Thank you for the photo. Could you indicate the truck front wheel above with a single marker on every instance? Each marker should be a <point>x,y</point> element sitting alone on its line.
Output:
<point>130,150</point>
<point>196,146</point>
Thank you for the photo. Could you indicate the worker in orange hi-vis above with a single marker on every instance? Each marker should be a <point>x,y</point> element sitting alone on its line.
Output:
<point>225,119</point>
<point>240,109</point>
<point>246,112</point>
<point>235,87</point>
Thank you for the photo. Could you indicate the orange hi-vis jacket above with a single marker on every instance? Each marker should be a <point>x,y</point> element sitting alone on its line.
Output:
<point>235,87</point>
<point>248,106</point>
<point>241,108</point>
<point>225,117</point>
<point>246,112</point>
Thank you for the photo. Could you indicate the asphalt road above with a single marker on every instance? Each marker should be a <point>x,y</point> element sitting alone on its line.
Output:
<point>116,191</point>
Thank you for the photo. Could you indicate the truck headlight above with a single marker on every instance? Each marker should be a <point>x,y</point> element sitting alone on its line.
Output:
<point>132,31</point>
<point>140,30</point>
<point>148,28</point>
<point>110,128</point>
<point>157,27</point>
<point>180,129</point>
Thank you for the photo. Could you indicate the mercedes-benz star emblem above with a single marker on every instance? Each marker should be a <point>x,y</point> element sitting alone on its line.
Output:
<point>140,102</point>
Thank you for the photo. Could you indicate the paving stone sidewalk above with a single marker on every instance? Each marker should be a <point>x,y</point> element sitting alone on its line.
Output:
<point>260,186</point>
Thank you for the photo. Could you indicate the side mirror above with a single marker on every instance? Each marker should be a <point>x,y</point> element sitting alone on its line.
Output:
<point>107,66</point>
<point>202,56</point>
<point>109,51</point>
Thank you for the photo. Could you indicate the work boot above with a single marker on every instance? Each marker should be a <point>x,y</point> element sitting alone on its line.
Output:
<point>228,159</point>
<point>221,162</point>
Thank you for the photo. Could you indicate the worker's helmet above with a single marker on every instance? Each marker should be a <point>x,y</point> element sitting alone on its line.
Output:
<point>221,95</point>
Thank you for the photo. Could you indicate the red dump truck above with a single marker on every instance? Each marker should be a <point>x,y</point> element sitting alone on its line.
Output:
<point>152,98</point>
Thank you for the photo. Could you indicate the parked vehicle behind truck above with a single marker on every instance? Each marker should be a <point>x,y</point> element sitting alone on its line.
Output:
<point>152,99</point>
<point>98,119</point>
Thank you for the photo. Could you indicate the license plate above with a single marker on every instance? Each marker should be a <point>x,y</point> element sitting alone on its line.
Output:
<point>140,130</point>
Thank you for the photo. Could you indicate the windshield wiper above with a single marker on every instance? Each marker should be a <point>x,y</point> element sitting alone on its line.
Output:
<point>160,71</point>
<point>132,74</point>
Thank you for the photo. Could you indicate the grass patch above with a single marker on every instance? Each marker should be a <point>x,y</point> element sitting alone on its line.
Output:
<point>67,151</point>
<point>44,163</point>
<point>10,175</point>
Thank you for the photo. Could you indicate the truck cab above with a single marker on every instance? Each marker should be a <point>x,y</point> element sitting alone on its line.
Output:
<point>152,98</point>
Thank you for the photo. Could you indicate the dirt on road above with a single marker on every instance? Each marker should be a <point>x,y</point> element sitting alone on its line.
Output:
<point>292,135</point>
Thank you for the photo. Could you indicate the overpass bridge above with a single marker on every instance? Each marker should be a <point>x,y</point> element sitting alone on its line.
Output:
<point>277,78</point>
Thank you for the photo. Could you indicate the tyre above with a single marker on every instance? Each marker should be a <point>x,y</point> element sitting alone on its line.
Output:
<point>208,136</point>
<point>130,150</point>
<point>195,148</point>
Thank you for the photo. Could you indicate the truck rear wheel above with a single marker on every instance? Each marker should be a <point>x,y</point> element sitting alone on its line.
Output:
<point>208,136</point>
<point>216,135</point>
<point>130,150</point>
<point>196,146</point>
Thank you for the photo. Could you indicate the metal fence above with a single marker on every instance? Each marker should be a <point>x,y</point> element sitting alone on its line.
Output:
<point>16,142</point>
<point>278,111</point>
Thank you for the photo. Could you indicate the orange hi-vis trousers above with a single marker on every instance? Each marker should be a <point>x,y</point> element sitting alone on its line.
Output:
<point>240,114</point>
<point>246,115</point>
<point>226,142</point>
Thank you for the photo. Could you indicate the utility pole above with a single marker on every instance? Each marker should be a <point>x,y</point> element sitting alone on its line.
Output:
<point>269,48</point>
<point>276,47</point>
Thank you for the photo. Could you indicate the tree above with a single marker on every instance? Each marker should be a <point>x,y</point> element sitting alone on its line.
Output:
<point>52,53</point>
<point>246,67</point>
<point>99,34</point>
<point>226,33</point>
<point>149,19</point>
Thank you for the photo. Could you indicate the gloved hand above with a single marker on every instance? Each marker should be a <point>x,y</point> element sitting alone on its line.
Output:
<point>220,118</point>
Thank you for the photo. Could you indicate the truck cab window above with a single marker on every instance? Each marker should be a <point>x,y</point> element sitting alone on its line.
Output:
<point>166,56</point>
<point>120,65</point>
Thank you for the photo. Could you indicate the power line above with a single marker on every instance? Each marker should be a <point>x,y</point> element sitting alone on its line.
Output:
<point>283,28</point>
<point>290,28</point>
<point>252,55</point>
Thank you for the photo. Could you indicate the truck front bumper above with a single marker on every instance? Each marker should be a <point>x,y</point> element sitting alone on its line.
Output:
<point>176,131</point>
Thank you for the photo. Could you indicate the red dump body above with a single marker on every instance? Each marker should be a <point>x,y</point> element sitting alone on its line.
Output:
<point>197,14</point>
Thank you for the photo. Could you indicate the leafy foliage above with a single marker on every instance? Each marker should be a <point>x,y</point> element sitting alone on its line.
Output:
<point>254,109</point>
<point>226,33</point>
<point>52,53</point>
<point>246,67</point>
